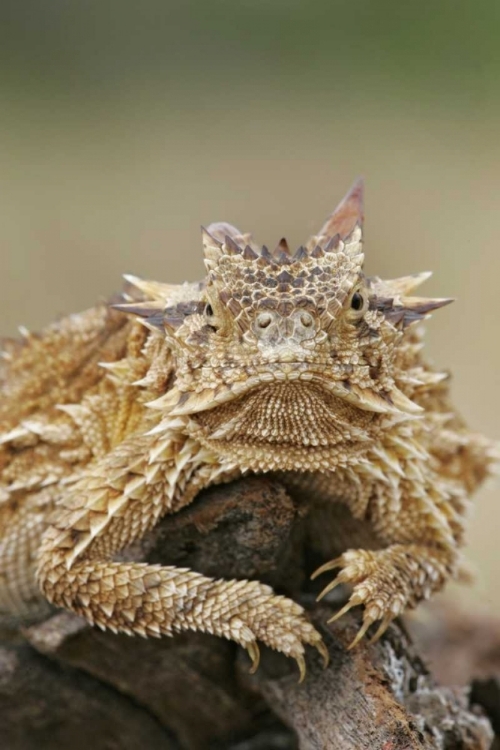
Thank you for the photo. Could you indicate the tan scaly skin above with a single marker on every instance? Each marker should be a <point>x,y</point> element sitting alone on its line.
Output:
<point>293,364</point>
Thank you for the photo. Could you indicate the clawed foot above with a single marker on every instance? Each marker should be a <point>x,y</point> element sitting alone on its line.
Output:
<point>253,651</point>
<point>377,584</point>
<point>281,624</point>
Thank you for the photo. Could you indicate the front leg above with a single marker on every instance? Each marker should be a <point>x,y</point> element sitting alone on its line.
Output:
<point>421,553</point>
<point>389,581</point>
<point>118,502</point>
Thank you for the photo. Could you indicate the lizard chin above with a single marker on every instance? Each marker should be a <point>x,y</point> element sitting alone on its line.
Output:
<point>287,413</point>
<point>285,379</point>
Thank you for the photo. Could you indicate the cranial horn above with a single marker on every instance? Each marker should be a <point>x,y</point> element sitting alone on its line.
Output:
<point>343,220</point>
<point>137,288</point>
<point>219,230</point>
<point>150,313</point>
<point>209,239</point>
<point>282,252</point>
<point>283,246</point>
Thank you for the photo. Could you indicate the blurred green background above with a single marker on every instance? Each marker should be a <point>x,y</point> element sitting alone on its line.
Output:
<point>125,125</point>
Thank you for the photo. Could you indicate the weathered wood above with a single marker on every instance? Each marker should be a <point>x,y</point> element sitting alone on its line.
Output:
<point>379,697</point>
<point>45,705</point>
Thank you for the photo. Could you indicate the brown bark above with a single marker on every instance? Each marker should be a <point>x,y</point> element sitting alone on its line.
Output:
<point>67,685</point>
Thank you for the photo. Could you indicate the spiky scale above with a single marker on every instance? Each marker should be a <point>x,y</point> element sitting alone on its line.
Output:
<point>231,246</point>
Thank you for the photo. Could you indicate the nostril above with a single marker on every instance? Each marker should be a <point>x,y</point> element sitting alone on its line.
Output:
<point>306,319</point>
<point>264,320</point>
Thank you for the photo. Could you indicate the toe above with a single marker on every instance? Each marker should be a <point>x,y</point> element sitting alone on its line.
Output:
<point>254,653</point>
<point>353,602</point>
<point>367,621</point>
<point>336,563</point>
<point>301,662</point>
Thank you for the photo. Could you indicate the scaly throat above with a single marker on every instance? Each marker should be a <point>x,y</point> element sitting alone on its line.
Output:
<point>296,414</point>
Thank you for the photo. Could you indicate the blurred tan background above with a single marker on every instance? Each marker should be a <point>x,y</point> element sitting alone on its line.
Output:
<point>124,126</point>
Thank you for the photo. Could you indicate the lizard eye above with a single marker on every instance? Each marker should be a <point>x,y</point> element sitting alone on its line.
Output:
<point>357,301</point>
<point>358,304</point>
<point>209,310</point>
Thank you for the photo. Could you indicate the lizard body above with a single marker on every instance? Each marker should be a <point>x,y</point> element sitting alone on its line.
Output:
<point>293,364</point>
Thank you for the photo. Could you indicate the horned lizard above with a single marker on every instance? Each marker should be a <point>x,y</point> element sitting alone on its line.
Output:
<point>297,365</point>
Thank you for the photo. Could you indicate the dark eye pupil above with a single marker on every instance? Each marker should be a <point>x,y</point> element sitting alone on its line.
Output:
<point>209,310</point>
<point>357,301</point>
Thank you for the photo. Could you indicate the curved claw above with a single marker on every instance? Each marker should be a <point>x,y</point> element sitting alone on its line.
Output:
<point>336,563</point>
<point>361,632</point>
<point>301,662</point>
<point>332,585</point>
<point>254,654</point>
<point>353,602</point>
<point>323,652</point>
<point>381,629</point>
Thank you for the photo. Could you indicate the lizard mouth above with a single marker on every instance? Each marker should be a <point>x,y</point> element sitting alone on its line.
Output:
<point>286,414</point>
<point>179,403</point>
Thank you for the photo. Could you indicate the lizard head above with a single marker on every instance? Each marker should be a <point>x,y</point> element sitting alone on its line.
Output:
<point>290,347</point>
